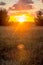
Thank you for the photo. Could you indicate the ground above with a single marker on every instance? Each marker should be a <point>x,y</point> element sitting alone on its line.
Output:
<point>21,45</point>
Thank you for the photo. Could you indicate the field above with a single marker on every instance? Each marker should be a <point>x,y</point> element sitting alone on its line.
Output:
<point>21,45</point>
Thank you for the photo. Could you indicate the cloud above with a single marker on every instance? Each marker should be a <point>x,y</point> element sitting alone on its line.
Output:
<point>26,1</point>
<point>2,3</point>
<point>22,5</point>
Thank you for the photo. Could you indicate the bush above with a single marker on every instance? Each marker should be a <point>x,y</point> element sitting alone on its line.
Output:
<point>39,19</point>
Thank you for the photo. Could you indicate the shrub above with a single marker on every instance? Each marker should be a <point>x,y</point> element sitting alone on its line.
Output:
<point>39,19</point>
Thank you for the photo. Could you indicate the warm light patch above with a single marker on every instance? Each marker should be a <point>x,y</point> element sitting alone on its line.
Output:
<point>11,18</point>
<point>30,18</point>
<point>20,46</point>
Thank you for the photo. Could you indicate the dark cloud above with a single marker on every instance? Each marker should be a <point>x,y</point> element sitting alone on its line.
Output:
<point>2,3</point>
<point>21,7</point>
<point>42,1</point>
<point>25,1</point>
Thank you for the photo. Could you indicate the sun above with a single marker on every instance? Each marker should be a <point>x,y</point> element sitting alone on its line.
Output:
<point>21,18</point>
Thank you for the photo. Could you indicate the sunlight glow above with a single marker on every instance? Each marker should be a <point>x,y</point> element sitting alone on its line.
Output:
<point>21,18</point>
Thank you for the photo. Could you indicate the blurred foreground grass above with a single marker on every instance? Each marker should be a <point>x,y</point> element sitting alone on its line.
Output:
<point>22,46</point>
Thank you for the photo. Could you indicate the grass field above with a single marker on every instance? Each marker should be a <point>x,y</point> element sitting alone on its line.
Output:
<point>21,45</point>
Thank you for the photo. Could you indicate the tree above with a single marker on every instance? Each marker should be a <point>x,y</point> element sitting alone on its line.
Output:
<point>39,19</point>
<point>3,17</point>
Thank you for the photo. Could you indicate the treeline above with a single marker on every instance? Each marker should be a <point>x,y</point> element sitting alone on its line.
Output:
<point>4,18</point>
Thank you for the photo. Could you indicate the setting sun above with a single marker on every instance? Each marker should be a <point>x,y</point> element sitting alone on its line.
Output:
<point>21,18</point>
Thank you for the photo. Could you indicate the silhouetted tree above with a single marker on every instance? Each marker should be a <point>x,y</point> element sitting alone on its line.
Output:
<point>3,17</point>
<point>39,19</point>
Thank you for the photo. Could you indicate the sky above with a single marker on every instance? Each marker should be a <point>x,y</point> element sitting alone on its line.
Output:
<point>37,3</point>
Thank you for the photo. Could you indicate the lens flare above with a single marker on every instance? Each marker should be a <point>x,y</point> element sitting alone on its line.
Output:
<point>20,46</point>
